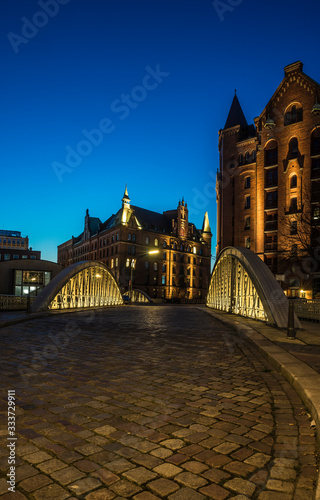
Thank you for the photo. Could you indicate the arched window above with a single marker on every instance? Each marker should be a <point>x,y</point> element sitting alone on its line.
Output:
<point>240,159</point>
<point>253,155</point>
<point>164,244</point>
<point>271,153</point>
<point>315,142</point>
<point>247,157</point>
<point>293,114</point>
<point>293,148</point>
<point>147,240</point>
<point>156,242</point>
<point>293,182</point>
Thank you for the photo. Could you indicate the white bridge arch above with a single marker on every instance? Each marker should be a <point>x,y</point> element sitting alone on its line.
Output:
<point>83,284</point>
<point>241,283</point>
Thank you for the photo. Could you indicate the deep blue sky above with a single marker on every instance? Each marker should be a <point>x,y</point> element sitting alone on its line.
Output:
<point>65,77</point>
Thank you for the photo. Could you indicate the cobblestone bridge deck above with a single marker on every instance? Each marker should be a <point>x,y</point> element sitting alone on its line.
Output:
<point>146,403</point>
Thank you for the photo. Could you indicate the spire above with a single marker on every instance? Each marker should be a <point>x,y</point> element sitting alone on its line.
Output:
<point>125,215</point>
<point>236,116</point>
<point>126,195</point>
<point>206,225</point>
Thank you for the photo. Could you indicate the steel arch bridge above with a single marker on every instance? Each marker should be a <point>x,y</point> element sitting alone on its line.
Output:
<point>242,284</point>
<point>83,284</point>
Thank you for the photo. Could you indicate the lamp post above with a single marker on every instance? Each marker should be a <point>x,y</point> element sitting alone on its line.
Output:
<point>133,265</point>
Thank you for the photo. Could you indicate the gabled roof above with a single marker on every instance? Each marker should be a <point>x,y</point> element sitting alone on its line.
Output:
<point>152,220</point>
<point>236,115</point>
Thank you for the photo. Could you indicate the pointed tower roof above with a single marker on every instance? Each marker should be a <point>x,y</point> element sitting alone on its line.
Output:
<point>236,115</point>
<point>126,195</point>
<point>206,225</point>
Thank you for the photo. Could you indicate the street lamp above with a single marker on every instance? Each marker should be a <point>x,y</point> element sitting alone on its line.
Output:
<point>133,265</point>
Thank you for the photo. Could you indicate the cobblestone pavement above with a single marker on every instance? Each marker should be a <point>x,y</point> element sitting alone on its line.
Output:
<point>146,403</point>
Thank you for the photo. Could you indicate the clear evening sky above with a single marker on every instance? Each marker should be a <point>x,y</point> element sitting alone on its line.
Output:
<point>156,78</point>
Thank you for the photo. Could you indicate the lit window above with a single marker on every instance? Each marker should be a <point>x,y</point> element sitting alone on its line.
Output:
<point>127,263</point>
<point>156,242</point>
<point>155,266</point>
<point>163,280</point>
<point>195,250</point>
<point>117,262</point>
<point>247,242</point>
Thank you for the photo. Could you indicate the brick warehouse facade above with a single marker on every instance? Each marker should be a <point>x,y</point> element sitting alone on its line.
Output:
<point>180,270</point>
<point>269,176</point>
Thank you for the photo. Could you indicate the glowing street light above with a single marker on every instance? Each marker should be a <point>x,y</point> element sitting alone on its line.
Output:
<point>134,261</point>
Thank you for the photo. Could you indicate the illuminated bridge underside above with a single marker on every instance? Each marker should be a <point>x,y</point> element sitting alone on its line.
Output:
<point>84,284</point>
<point>241,283</point>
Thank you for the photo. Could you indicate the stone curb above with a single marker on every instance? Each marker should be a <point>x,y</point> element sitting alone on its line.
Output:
<point>300,376</point>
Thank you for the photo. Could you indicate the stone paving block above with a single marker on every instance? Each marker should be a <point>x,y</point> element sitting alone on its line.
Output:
<point>51,465</point>
<point>226,448</point>
<point>145,495</point>
<point>283,473</point>
<point>101,494</point>
<point>119,466</point>
<point>167,470</point>
<point>140,475</point>
<point>38,457</point>
<point>84,485</point>
<point>24,471</point>
<point>147,460</point>
<point>124,487</point>
<point>163,487</point>
<point>105,476</point>
<point>258,460</point>
<point>214,491</point>
<point>239,468</point>
<point>241,486</point>
<point>186,494</point>
<point>51,492</point>
<point>35,482</point>
<point>161,453</point>
<point>216,475</point>
<point>172,444</point>
<point>66,476</point>
<point>273,495</point>
<point>13,496</point>
<point>190,480</point>
<point>195,467</point>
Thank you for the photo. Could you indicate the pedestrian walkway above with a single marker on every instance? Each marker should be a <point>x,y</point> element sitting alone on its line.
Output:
<point>149,403</point>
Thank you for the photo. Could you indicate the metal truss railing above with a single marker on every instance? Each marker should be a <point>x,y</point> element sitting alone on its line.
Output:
<point>232,290</point>
<point>90,287</point>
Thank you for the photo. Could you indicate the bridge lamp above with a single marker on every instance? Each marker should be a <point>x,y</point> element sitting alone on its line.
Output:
<point>133,264</point>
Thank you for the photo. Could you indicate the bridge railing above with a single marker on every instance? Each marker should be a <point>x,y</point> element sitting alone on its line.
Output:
<point>307,309</point>
<point>14,302</point>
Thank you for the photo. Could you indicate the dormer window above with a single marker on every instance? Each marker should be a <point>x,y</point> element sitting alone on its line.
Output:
<point>293,114</point>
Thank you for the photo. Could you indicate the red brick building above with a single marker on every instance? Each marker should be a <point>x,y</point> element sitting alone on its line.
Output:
<point>268,184</point>
<point>180,269</point>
